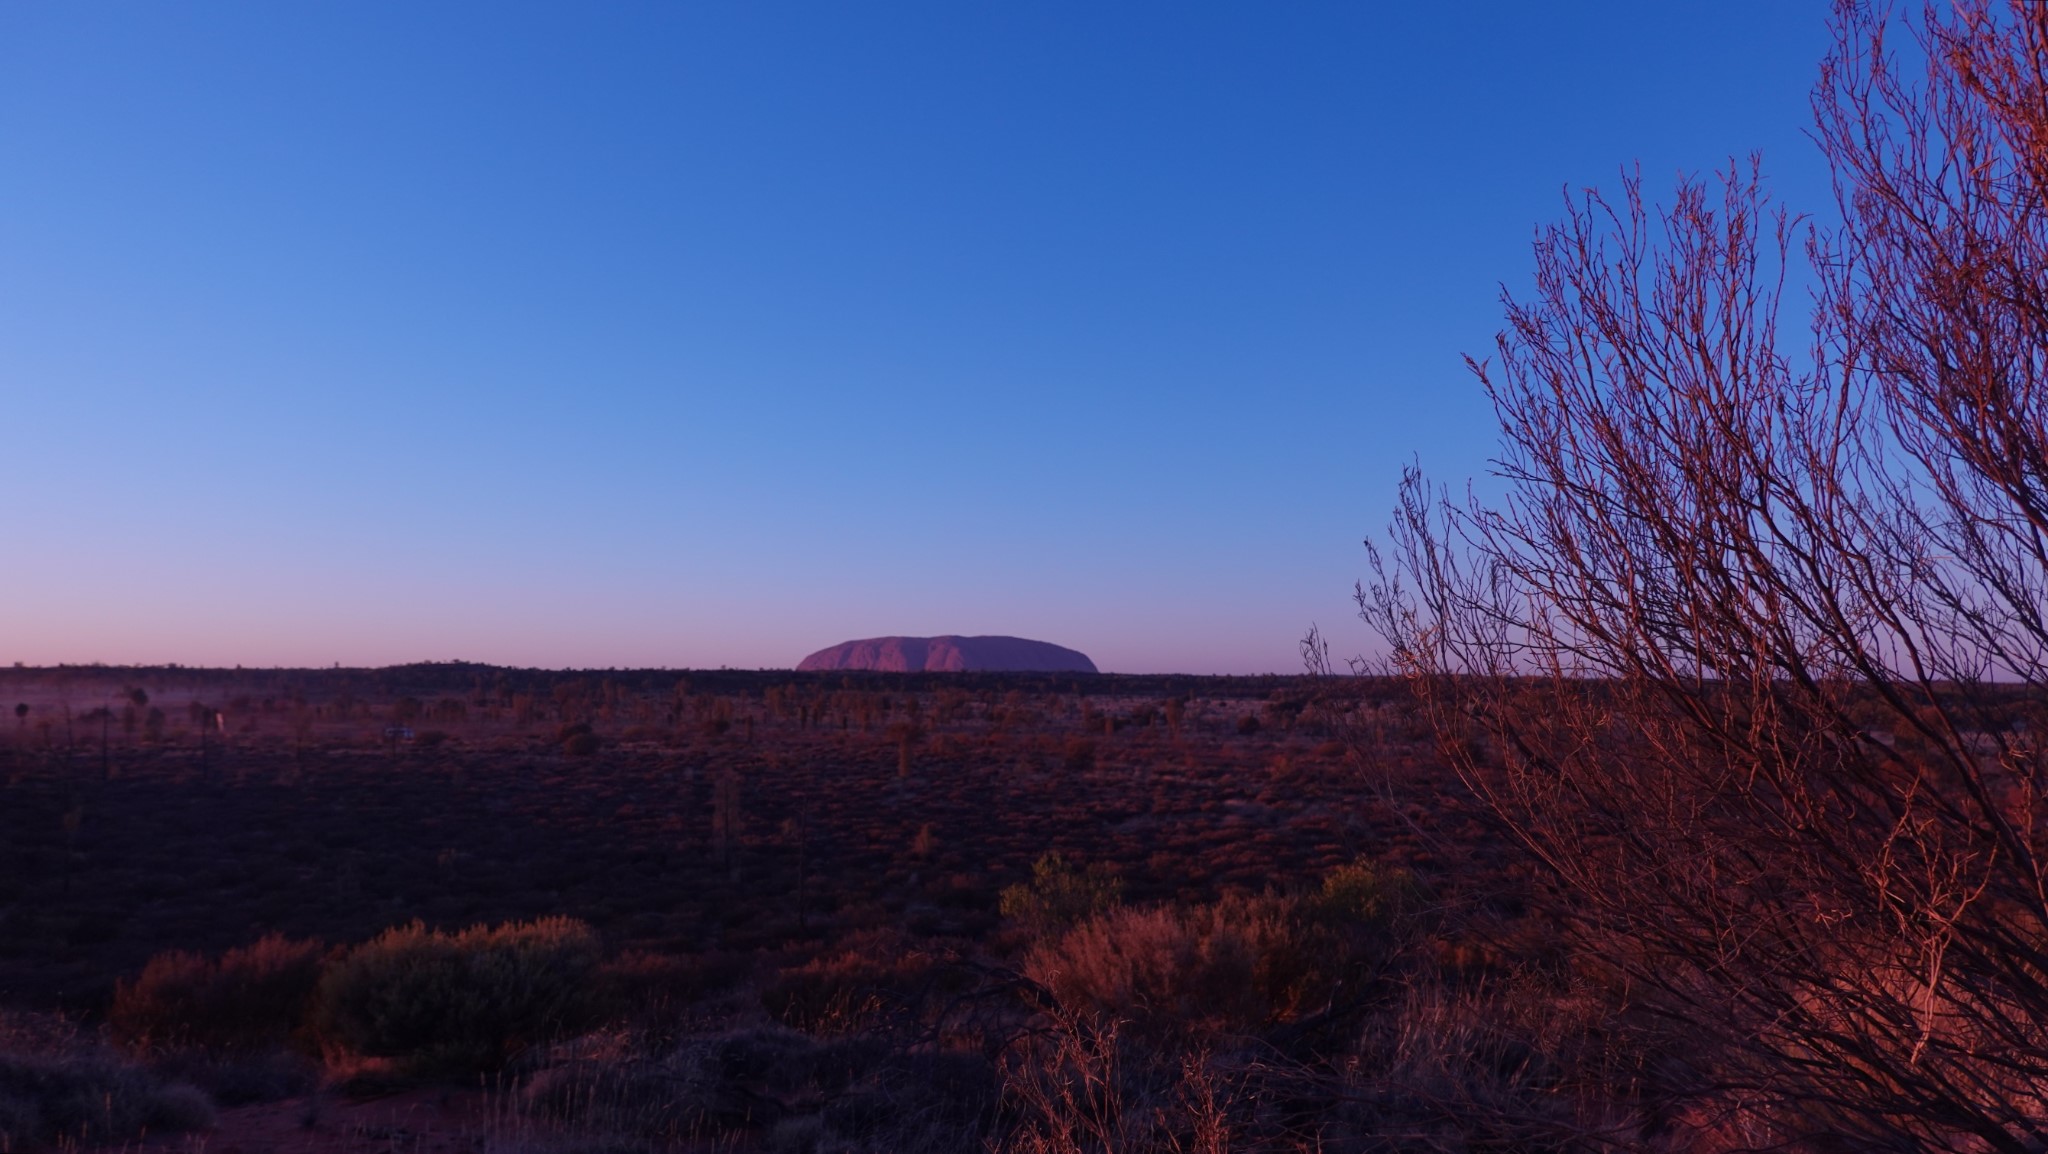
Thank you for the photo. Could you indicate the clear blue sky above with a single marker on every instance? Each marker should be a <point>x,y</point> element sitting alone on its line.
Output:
<point>699,334</point>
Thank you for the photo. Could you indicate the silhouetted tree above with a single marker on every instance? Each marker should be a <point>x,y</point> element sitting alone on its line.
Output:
<point>1753,652</point>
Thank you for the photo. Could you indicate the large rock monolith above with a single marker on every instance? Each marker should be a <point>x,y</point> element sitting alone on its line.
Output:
<point>948,655</point>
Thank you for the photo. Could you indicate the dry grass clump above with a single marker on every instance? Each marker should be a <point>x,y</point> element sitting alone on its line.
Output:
<point>1225,967</point>
<point>1084,1086</point>
<point>57,1087</point>
<point>787,1090</point>
<point>1433,1069</point>
<point>877,976</point>
<point>1239,965</point>
<point>1530,1064</point>
<point>1314,1022</point>
<point>661,990</point>
<point>447,1002</point>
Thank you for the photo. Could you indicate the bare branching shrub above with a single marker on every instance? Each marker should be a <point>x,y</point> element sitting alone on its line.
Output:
<point>1078,1090</point>
<point>1752,652</point>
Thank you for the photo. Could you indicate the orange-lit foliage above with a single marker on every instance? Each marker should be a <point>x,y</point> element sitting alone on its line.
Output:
<point>250,998</point>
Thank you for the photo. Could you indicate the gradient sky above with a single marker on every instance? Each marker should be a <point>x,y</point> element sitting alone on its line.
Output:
<point>700,334</point>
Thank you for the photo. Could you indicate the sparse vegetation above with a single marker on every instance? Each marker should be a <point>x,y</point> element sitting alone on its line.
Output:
<point>1704,814</point>
<point>459,1001</point>
<point>936,910</point>
<point>60,1088</point>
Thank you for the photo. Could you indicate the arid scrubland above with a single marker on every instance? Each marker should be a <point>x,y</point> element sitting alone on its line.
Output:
<point>1701,805</point>
<point>781,911</point>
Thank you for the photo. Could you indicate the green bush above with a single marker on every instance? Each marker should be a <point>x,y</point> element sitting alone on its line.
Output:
<point>1060,895</point>
<point>249,999</point>
<point>466,1001</point>
<point>1365,896</point>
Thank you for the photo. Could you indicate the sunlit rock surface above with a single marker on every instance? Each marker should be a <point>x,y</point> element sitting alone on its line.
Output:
<point>948,655</point>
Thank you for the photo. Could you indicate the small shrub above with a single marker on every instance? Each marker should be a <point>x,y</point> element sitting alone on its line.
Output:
<point>88,1097</point>
<point>581,745</point>
<point>1365,894</point>
<point>667,1098</point>
<point>1240,965</point>
<point>1060,895</point>
<point>461,1001</point>
<point>249,999</point>
<point>1235,965</point>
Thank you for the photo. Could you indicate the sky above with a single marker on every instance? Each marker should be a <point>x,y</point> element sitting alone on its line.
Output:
<point>709,334</point>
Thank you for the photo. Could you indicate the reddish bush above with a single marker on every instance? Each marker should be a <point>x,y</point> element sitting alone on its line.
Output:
<point>1238,965</point>
<point>251,998</point>
<point>1233,966</point>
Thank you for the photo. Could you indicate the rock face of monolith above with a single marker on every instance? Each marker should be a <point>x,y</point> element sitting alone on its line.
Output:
<point>948,655</point>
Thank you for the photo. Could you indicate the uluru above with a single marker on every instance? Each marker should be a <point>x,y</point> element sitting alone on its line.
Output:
<point>948,655</point>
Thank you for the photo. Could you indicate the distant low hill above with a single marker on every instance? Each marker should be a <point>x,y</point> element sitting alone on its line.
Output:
<point>948,655</point>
